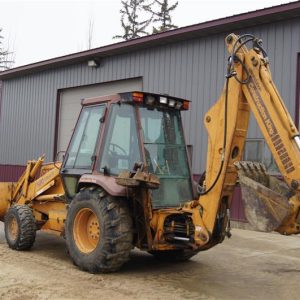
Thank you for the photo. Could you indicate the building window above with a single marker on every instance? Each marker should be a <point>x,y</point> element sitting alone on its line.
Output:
<point>257,150</point>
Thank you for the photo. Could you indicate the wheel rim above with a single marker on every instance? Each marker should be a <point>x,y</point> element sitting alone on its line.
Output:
<point>86,230</point>
<point>13,228</point>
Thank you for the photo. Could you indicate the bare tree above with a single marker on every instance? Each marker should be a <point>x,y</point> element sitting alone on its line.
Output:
<point>90,33</point>
<point>132,24</point>
<point>162,15</point>
<point>6,57</point>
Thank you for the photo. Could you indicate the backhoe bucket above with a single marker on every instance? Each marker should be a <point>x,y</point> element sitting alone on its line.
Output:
<point>265,197</point>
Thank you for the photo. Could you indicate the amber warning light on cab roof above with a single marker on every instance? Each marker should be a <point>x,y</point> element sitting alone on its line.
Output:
<point>160,100</point>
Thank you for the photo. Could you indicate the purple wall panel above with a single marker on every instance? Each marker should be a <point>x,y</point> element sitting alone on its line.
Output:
<point>237,207</point>
<point>10,173</point>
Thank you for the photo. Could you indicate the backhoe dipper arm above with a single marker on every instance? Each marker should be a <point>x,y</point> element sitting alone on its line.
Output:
<point>249,86</point>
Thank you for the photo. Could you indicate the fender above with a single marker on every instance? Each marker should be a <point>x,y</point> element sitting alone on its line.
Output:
<point>108,183</point>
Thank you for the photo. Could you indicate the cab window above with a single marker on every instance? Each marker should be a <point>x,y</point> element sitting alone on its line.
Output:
<point>83,143</point>
<point>166,156</point>
<point>121,148</point>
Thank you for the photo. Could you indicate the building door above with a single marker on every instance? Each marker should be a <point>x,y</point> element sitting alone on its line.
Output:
<point>70,104</point>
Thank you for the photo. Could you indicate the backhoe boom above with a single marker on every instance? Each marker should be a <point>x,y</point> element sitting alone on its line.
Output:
<point>249,87</point>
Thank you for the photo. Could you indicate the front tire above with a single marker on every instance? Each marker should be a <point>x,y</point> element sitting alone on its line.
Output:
<point>20,227</point>
<point>98,231</point>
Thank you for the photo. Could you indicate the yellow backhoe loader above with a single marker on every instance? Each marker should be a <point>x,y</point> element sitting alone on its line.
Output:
<point>125,180</point>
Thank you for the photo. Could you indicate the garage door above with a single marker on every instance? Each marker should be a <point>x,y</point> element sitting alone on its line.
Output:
<point>70,104</point>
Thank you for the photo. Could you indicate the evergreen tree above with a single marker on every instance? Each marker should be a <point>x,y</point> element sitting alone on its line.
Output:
<point>162,15</point>
<point>131,22</point>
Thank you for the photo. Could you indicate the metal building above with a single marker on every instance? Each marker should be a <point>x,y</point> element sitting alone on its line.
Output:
<point>39,103</point>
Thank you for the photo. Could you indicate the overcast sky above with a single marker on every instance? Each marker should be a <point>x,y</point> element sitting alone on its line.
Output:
<point>43,29</point>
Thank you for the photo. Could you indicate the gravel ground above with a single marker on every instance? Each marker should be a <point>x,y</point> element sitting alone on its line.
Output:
<point>250,265</point>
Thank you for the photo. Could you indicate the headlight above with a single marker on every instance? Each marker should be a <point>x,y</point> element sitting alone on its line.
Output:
<point>172,102</point>
<point>150,100</point>
<point>163,100</point>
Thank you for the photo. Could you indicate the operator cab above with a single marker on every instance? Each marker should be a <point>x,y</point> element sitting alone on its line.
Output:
<point>115,132</point>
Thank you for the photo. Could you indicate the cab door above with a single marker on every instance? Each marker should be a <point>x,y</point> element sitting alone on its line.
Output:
<point>80,156</point>
<point>121,147</point>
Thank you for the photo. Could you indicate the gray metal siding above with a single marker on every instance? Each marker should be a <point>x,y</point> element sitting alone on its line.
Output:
<point>193,69</point>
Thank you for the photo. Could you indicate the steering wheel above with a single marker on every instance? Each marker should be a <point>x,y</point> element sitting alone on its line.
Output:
<point>114,147</point>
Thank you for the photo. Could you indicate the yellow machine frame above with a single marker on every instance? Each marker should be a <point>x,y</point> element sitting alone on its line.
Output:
<point>40,187</point>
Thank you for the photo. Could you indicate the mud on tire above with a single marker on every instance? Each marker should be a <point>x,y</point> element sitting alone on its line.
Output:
<point>20,227</point>
<point>115,234</point>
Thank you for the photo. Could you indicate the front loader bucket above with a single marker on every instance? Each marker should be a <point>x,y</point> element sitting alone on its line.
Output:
<point>6,189</point>
<point>265,197</point>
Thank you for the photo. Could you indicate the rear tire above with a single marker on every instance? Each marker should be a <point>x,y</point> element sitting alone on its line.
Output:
<point>174,255</point>
<point>20,227</point>
<point>98,231</point>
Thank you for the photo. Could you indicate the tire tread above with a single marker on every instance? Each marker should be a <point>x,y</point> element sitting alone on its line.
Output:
<point>117,242</point>
<point>27,227</point>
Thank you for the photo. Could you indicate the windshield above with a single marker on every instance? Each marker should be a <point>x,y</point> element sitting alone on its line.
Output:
<point>166,156</point>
